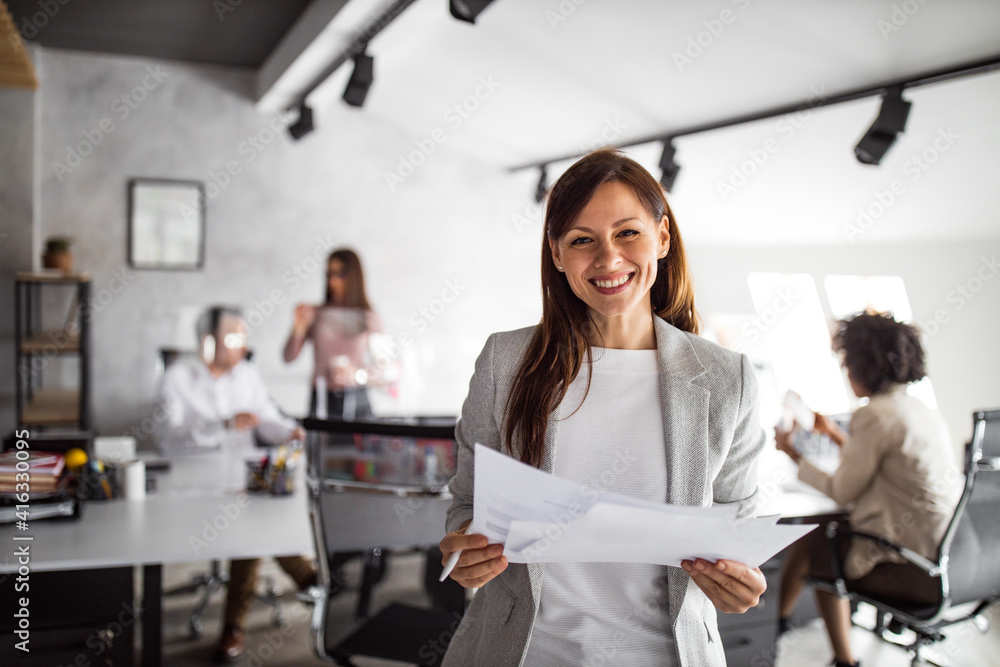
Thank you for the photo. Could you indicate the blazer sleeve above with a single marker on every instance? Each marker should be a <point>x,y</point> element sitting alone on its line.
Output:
<point>737,479</point>
<point>476,424</point>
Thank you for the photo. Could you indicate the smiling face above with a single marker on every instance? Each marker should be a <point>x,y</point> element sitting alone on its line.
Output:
<point>610,252</point>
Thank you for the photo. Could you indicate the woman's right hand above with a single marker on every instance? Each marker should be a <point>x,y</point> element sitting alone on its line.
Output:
<point>305,315</point>
<point>479,563</point>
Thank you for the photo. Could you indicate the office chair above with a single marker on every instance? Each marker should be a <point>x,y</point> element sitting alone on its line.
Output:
<point>215,578</point>
<point>966,570</point>
<point>357,516</point>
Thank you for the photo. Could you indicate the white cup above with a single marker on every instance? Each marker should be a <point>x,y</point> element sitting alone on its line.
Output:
<point>135,480</point>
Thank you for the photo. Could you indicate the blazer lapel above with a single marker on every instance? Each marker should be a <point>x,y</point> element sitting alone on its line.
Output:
<point>685,429</point>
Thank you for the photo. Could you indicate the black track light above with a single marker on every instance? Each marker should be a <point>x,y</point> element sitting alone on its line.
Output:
<point>468,10</point>
<point>304,125</point>
<point>542,188</point>
<point>668,167</point>
<point>890,122</point>
<point>361,80</point>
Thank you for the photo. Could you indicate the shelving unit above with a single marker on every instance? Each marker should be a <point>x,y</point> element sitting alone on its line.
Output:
<point>38,341</point>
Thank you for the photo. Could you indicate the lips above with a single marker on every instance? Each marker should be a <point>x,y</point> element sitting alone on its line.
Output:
<point>612,284</point>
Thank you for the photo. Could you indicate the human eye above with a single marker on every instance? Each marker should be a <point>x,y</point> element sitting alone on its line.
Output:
<point>628,232</point>
<point>580,240</point>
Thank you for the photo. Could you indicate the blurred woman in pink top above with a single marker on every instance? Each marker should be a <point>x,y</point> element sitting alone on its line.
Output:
<point>339,330</point>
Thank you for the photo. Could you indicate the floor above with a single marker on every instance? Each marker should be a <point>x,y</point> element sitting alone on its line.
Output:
<point>271,646</point>
<point>267,644</point>
<point>964,645</point>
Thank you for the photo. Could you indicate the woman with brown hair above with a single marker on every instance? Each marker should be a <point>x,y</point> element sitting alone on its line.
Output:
<point>614,372</point>
<point>339,330</point>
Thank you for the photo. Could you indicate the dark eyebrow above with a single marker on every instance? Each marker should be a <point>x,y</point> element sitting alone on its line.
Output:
<point>591,231</point>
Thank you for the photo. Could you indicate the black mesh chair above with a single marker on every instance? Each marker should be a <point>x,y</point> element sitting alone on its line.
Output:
<point>369,517</point>
<point>966,570</point>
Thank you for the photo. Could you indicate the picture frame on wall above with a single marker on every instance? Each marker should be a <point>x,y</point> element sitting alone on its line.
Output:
<point>166,224</point>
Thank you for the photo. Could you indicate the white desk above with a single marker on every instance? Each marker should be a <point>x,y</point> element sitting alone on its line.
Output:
<point>800,506</point>
<point>171,525</point>
<point>174,523</point>
<point>784,494</point>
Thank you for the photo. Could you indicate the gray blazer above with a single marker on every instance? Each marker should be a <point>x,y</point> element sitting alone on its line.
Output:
<point>712,440</point>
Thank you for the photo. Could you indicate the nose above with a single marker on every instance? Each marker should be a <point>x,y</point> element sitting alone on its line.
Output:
<point>608,256</point>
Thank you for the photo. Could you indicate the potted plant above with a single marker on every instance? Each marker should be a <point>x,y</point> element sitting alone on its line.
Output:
<point>58,254</point>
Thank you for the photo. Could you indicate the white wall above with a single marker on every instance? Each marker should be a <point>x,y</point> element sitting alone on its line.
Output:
<point>963,356</point>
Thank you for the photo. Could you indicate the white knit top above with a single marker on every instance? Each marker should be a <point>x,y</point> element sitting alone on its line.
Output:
<point>608,613</point>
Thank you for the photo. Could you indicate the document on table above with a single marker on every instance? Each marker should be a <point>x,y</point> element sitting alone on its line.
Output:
<point>540,518</point>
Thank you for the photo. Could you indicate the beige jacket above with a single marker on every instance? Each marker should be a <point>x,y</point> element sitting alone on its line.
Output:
<point>712,440</point>
<point>901,474</point>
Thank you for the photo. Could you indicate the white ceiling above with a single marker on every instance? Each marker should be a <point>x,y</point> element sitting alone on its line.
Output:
<point>564,76</point>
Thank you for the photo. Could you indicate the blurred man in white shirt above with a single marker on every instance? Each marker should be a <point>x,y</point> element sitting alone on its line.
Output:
<point>216,402</point>
<point>219,399</point>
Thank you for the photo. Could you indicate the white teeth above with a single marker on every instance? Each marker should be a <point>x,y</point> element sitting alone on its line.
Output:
<point>613,283</point>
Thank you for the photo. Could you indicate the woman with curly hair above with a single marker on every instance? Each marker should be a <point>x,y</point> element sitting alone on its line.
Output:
<point>894,471</point>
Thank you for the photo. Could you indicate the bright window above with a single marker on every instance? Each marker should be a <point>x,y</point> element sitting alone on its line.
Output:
<point>852,294</point>
<point>791,326</point>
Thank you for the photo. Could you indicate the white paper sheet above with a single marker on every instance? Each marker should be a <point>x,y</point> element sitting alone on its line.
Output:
<point>541,518</point>
<point>795,408</point>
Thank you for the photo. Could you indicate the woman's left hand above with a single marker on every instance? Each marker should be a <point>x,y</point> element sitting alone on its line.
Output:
<point>783,443</point>
<point>731,586</point>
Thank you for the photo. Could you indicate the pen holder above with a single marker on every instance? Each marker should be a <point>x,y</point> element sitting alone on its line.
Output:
<point>95,482</point>
<point>282,482</point>
<point>273,479</point>
<point>256,480</point>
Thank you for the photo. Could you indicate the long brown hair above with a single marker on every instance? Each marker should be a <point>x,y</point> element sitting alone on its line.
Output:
<point>355,295</point>
<point>560,343</point>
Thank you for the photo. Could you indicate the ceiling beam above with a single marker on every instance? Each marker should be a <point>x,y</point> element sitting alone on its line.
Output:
<point>314,20</point>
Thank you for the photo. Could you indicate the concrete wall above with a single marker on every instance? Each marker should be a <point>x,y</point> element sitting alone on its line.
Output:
<point>446,229</point>
<point>17,248</point>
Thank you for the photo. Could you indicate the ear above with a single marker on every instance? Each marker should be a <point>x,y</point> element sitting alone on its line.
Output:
<point>664,233</point>
<point>556,252</point>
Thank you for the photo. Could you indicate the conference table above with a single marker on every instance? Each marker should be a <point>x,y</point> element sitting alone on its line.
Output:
<point>198,511</point>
